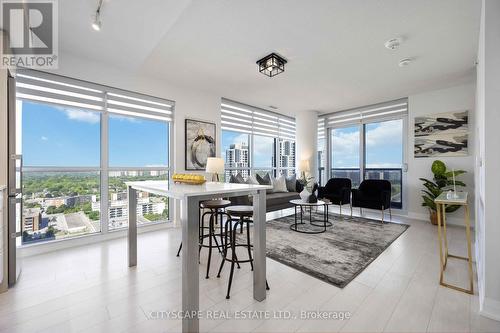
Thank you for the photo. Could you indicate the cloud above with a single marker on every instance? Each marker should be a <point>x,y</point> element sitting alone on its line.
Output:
<point>44,138</point>
<point>83,116</point>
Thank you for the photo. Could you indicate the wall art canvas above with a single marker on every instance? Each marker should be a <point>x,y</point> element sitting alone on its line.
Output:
<point>443,134</point>
<point>200,143</point>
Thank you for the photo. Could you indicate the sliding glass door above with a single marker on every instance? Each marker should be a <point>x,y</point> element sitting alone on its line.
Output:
<point>373,150</point>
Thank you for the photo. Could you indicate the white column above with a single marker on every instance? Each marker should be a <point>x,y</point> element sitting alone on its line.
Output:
<point>307,139</point>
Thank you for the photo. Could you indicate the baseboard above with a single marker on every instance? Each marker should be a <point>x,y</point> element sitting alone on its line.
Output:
<point>450,220</point>
<point>490,308</point>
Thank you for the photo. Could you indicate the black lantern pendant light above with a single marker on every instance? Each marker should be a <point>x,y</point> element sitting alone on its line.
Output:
<point>271,65</point>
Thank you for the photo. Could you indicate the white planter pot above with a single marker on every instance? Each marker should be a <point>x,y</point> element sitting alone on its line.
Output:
<point>304,195</point>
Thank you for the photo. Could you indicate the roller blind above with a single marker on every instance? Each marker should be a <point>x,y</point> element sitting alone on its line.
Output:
<point>63,91</point>
<point>249,119</point>
<point>375,112</point>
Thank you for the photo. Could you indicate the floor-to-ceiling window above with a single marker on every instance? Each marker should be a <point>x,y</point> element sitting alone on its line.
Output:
<point>368,143</point>
<point>80,142</point>
<point>256,141</point>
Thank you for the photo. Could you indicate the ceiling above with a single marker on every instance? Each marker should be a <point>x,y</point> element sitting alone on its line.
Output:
<point>335,48</point>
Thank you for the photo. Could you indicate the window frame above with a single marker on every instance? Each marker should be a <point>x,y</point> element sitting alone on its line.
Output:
<point>103,169</point>
<point>362,151</point>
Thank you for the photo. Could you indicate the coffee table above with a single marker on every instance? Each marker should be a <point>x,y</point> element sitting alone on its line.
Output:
<point>303,207</point>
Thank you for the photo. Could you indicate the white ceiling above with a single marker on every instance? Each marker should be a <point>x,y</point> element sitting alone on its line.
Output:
<point>335,48</point>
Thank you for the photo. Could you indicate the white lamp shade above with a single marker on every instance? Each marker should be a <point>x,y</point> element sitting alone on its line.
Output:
<point>304,166</point>
<point>215,165</point>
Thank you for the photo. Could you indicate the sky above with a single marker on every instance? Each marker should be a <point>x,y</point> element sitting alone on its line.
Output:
<point>384,145</point>
<point>55,136</point>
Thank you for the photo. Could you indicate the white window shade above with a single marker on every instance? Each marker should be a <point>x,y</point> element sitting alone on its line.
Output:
<point>376,112</point>
<point>244,118</point>
<point>66,92</point>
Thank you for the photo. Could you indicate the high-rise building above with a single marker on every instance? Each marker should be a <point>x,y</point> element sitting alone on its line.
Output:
<point>237,156</point>
<point>286,154</point>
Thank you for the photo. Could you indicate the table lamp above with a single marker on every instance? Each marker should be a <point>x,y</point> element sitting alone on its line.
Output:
<point>304,167</point>
<point>215,165</point>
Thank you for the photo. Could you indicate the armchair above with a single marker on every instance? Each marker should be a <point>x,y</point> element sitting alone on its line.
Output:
<point>373,194</point>
<point>337,191</point>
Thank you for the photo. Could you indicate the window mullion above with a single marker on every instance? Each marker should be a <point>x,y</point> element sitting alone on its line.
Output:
<point>104,168</point>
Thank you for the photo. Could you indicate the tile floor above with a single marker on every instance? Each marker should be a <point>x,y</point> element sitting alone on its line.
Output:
<point>91,289</point>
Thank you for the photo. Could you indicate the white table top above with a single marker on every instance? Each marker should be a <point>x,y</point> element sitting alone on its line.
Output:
<point>299,202</point>
<point>461,199</point>
<point>181,191</point>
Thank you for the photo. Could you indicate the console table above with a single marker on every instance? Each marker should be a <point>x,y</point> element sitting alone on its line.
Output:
<point>190,197</point>
<point>441,202</point>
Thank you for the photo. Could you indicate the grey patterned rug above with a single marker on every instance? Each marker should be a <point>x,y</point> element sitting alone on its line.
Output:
<point>336,256</point>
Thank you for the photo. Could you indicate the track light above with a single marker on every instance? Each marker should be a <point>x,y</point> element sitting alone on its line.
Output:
<point>96,24</point>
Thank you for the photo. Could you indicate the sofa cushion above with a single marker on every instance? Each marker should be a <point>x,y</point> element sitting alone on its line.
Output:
<point>243,200</point>
<point>275,199</point>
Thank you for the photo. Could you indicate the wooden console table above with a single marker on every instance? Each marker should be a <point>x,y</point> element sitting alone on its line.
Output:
<point>441,202</point>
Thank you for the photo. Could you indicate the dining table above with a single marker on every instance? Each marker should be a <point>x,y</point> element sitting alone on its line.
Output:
<point>190,197</point>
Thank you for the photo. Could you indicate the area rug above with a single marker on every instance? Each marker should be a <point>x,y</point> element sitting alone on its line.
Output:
<point>336,256</point>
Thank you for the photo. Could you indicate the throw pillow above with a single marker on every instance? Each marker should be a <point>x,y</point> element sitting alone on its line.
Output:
<point>279,184</point>
<point>266,180</point>
<point>252,180</point>
<point>291,183</point>
<point>241,200</point>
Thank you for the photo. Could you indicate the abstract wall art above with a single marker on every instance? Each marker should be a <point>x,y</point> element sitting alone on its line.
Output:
<point>443,134</point>
<point>200,143</point>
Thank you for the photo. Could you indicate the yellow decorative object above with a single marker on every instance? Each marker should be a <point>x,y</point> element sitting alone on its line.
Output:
<point>188,178</point>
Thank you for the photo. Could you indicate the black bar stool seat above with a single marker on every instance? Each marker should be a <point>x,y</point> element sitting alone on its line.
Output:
<point>240,211</point>
<point>215,204</point>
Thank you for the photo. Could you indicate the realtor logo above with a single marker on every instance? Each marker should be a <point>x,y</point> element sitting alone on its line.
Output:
<point>30,34</point>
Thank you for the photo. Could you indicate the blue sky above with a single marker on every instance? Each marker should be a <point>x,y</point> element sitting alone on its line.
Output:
<point>53,136</point>
<point>384,145</point>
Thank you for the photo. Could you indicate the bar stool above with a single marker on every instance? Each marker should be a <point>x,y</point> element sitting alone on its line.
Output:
<point>239,215</point>
<point>216,213</point>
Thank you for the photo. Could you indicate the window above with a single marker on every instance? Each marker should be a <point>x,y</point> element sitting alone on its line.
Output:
<point>256,141</point>
<point>367,143</point>
<point>345,154</point>
<point>80,143</point>
<point>236,153</point>
<point>137,146</point>
<point>384,154</point>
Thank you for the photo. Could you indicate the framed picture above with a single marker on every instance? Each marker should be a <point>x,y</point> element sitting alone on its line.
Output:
<point>443,134</point>
<point>200,143</point>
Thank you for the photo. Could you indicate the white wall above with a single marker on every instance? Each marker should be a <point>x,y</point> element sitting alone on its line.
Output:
<point>306,123</point>
<point>488,166</point>
<point>188,103</point>
<point>457,98</point>
<point>3,176</point>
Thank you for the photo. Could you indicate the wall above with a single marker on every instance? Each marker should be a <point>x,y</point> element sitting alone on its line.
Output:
<point>487,168</point>
<point>188,103</point>
<point>451,99</point>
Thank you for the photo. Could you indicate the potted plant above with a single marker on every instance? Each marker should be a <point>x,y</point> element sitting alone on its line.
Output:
<point>442,181</point>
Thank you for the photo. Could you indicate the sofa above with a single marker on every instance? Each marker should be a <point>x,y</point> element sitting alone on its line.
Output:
<point>274,200</point>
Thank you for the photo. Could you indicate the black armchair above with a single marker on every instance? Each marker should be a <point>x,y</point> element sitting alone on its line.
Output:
<point>373,194</point>
<point>337,191</point>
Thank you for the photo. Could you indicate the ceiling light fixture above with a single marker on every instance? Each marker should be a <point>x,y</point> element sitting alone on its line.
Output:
<point>272,65</point>
<point>405,62</point>
<point>96,24</point>
<point>393,44</point>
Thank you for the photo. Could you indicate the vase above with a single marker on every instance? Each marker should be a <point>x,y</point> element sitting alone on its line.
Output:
<point>304,195</point>
<point>433,217</point>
